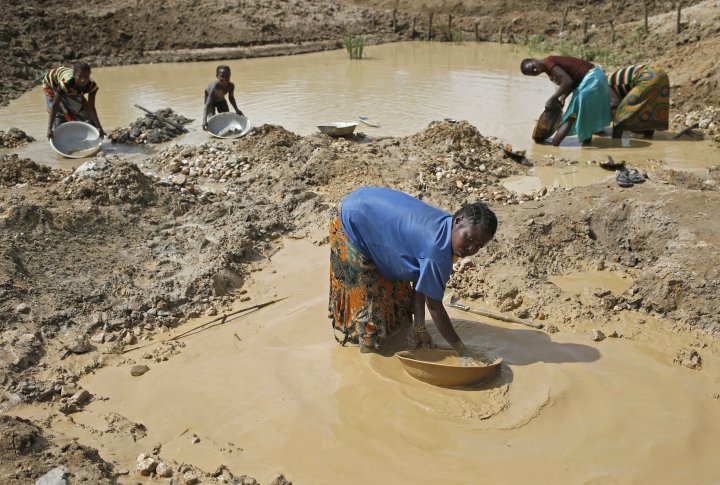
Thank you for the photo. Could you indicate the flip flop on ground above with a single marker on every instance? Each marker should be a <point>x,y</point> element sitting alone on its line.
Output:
<point>623,179</point>
<point>611,164</point>
<point>635,177</point>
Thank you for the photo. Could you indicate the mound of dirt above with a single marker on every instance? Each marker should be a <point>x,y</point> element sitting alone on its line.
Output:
<point>111,182</point>
<point>598,228</point>
<point>14,138</point>
<point>28,454</point>
<point>709,180</point>
<point>162,126</point>
<point>15,170</point>
<point>460,165</point>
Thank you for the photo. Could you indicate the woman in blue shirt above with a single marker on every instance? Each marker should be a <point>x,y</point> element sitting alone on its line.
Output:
<point>390,256</point>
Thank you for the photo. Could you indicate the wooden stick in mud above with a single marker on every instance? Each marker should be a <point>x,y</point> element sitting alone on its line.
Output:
<point>612,32</point>
<point>160,118</point>
<point>585,25</point>
<point>679,25</point>
<point>495,315</point>
<point>449,32</point>
<point>430,19</point>
<point>477,33</point>
<point>211,324</point>
<point>685,130</point>
<point>564,19</point>
<point>412,32</point>
<point>645,3</point>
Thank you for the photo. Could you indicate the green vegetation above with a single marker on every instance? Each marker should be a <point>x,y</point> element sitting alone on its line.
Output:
<point>354,46</point>
<point>456,35</point>
<point>602,54</point>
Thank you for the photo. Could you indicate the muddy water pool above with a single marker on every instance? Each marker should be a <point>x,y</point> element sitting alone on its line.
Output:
<point>402,86</point>
<point>272,392</point>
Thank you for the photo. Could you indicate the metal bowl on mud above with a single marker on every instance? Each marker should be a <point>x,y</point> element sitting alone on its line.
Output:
<point>76,139</point>
<point>337,128</point>
<point>547,124</point>
<point>442,368</point>
<point>228,125</point>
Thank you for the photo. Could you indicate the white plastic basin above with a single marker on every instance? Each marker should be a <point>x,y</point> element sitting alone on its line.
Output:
<point>76,139</point>
<point>228,125</point>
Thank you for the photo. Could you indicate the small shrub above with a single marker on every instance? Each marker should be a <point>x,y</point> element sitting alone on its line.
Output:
<point>354,46</point>
<point>456,35</point>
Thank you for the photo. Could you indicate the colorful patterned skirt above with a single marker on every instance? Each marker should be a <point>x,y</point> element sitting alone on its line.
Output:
<point>647,105</point>
<point>590,105</point>
<point>365,307</point>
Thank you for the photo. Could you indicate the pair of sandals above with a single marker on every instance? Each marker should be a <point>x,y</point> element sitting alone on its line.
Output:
<point>628,178</point>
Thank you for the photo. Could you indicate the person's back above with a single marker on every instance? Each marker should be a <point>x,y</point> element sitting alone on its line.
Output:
<point>400,234</point>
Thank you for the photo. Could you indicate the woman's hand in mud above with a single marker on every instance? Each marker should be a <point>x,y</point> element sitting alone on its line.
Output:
<point>102,133</point>
<point>240,113</point>
<point>204,126</point>
<point>50,133</point>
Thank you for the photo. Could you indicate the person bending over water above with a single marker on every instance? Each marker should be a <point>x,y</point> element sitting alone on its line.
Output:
<point>639,100</point>
<point>589,110</point>
<point>215,95</point>
<point>390,256</point>
<point>65,89</point>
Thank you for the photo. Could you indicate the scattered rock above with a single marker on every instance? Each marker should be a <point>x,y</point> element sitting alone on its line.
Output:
<point>190,478</point>
<point>138,370</point>
<point>596,335</point>
<point>56,476</point>
<point>81,345</point>
<point>146,465</point>
<point>81,397</point>
<point>151,129</point>
<point>163,470</point>
<point>688,358</point>
<point>22,308</point>
<point>14,138</point>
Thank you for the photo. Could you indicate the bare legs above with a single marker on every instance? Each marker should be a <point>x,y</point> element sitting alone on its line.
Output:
<point>563,131</point>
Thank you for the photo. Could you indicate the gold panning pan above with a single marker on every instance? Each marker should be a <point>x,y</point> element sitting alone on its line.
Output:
<point>442,367</point>
<point>547,124</point>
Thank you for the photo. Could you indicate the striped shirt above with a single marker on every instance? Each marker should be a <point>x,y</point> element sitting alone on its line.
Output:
<point>623,80</point>
<point>62,80</point>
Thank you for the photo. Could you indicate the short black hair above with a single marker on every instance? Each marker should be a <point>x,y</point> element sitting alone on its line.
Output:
<point>525,64</point>
<point>479,214</point>
<point>222,68</point>
<point>81,66</point>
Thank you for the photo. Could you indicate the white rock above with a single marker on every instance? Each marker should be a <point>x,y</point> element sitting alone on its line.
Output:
<point>146,465</point>
<point>56,476</point>
<point>163,470</point>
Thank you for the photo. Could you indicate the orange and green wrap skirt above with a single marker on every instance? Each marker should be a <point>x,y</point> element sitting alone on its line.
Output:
<point>646,106</point>
<point>365,307</point>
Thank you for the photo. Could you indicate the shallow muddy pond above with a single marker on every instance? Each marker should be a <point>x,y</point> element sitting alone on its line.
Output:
<point>273,391</point>
<point>402,86</point>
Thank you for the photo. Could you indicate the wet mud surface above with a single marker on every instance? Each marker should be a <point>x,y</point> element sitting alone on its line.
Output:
<point>115,254</point>
<point>102,267</point>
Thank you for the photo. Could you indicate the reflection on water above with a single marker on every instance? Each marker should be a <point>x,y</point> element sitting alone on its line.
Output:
<point>402,86</point>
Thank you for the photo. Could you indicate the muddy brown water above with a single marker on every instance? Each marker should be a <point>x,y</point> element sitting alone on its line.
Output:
<point>286,398</point>
<point>402,86</point>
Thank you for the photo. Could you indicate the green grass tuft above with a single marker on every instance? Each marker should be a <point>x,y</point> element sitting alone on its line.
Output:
<point>354,46</point>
